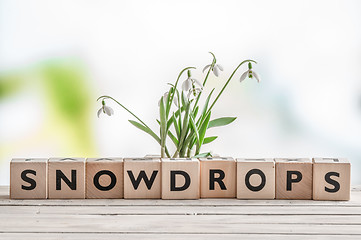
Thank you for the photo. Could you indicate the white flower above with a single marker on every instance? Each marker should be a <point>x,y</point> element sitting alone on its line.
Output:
<point>105,109</point>
<point>250,73</point>
<point>193,92</point>
<point>216,68</point>
<point>191,83</point>
<point>165,97</point>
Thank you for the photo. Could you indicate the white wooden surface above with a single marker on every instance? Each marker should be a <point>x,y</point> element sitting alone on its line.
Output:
<point>180,219</point>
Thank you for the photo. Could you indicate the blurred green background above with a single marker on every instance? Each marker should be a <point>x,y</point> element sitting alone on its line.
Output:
<point>57,57</point>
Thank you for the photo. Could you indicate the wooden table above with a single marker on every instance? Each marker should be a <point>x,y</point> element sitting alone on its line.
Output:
<point>180,219</point>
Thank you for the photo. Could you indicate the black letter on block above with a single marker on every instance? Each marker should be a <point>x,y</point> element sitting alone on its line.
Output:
<point>28,180</point>
<point>219,179</point>
<point>332,182</point>
<point>60,175</point>
<point>261,185</point>
<point>291,180</point>
<point>113,180</point>
<point>172,181</point>
<point>142,175</point>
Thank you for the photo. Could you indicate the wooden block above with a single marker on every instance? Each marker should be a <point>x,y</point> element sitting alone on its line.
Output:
<point>293,178</point>
<point>28,178</point>
<point>104,177</point>
<point>180,178</point>
<point>256,178</point>
<point>66,178</point>
<point>218,177</point>
<point>331,179</point>
<point>142,178</point>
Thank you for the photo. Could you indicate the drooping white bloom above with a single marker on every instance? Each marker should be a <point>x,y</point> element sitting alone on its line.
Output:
<point>250,73</point>
<point>216,68</point>
<point>190,83</point>
<point>193,92</point>
<point>105,109</point>
<point>165,97</point>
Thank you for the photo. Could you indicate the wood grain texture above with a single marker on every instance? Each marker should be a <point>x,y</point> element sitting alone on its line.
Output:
<point>340,170</point>
<point>179,219</point>
<point>191,167</point>
<point>267,168</point>
<point>67,166</point>
<point>35,169</point>
<point>227,166</point>
<point>293,186</point>
<point>108,173</point>
<point>149,167</point>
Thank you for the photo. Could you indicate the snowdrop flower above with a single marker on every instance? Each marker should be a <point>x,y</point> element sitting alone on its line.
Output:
<point>165,97</point>
<point>191,83</point>
<point>105,109</point>
<point>250,73</point>
<point>216,68</point>
<point>193,92</point>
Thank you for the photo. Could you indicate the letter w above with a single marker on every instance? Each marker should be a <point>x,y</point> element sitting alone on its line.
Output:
<point>142,175</point>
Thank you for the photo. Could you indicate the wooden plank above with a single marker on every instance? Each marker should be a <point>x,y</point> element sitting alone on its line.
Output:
<point>5,201</point>
<point>179,219</point>
<point>182,210</point>
<point>242,219</point>
<point>165,224</point>
<point>167,236</point>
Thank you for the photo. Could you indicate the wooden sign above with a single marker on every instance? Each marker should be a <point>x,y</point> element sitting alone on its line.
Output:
<point>104,178</point>
<point>142,178</point>
<point>180,178</point>
<point>218,177</point>
<point>256,178</point>
<point>28,178</point>
<point>66,178</point>
<point>293,178</point>
<point>331,179</point>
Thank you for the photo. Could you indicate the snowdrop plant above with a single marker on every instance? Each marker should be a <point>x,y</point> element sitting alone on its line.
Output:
<point>182,120</point>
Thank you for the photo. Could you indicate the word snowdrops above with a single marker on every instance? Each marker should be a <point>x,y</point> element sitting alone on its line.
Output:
<point>180,178</point>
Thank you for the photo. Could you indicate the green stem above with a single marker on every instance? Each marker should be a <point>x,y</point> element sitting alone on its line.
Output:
<point>109,97</point>
<point>225,85</point>
<point>101,97</point>
<point>205,80</point>
<point>176,83</point>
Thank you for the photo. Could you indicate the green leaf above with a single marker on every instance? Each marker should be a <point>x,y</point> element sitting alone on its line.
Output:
<point>194,127</point>
<point>174,139</point>
<point>168,103</point>
<point>185,127</point>
<point>176,126</point>
<point>206,103</point>
<point>195,112</point>
<point>209,139</point>
<point>184,99</point>
<point>145,129</point>
<point>218,122</point>
<point>206,154</point>
<point>163,122</point>
<point>203,129</point>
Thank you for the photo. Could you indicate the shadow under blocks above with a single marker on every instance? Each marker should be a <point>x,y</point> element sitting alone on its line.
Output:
<point>153,177</point>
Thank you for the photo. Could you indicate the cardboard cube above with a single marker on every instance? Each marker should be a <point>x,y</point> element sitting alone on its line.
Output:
<point>256,178</point>
<point>218,177</point>
<point>142,178</point>
<point>66,178</point>
<point>180,178</point>
<point>331,179</point>
<point>28,178</point>
<point>293,178</point>
<point>104,177</point>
